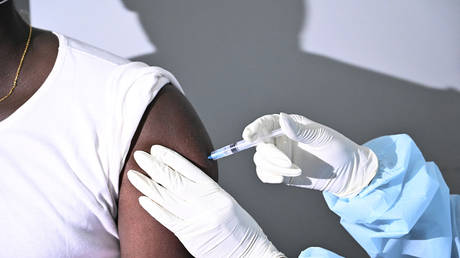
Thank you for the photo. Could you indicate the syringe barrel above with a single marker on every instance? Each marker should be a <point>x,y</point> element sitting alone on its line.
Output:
<point>231,149</point>
<point>240,146</point>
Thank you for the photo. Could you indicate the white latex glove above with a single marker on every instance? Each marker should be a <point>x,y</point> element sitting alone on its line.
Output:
<point>310,155</point>
<point>205,218</point>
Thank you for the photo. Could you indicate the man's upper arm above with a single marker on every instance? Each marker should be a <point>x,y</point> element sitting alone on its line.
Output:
<point>170,121</point>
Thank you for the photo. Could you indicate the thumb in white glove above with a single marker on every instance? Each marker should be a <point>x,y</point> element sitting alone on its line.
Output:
<point>205,218</point>
<point>310,155</point>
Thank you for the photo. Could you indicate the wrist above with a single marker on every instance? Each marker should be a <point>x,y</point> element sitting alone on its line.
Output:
<point>264,249</point>
<point>272,252</point>
<point>360,177</point>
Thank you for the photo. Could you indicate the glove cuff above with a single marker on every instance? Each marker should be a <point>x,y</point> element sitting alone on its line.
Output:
<point>264,249</point>
<point>272,252</point>
<point>368,166</point>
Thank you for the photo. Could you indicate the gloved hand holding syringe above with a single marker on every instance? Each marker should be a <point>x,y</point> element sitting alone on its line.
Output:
<point>294,150</point>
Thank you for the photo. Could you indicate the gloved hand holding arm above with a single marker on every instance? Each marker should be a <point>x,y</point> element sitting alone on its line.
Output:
<point>310,155</point>
<point>205,218</point>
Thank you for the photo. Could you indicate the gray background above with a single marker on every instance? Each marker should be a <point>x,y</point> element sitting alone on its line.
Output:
<point>239,59</point>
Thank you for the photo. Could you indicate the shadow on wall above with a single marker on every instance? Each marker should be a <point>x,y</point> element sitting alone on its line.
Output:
<point>240,59</point>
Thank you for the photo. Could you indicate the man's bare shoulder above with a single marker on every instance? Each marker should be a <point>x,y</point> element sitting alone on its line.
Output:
<point>169,120</point>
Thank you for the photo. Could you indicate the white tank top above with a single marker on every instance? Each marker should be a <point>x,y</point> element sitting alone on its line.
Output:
<point>61,154</point>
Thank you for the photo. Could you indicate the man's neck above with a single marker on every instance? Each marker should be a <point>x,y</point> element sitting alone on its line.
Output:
<point>13,30</point>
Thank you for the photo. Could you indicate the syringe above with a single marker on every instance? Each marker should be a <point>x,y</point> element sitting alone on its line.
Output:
<point>241,145</point>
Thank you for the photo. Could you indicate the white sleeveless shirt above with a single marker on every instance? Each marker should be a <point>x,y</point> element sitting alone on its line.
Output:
<point>61,154</point>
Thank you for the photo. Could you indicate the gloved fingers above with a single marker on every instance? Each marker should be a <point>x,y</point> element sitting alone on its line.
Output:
<point>260,127</point>
<point>270,152</point>
<point>162,173</point>
<point>298,118</point>
<point>292,126</point>
<point>162,215</point>
<point>301,129</point>
<point>269,158</point>
<point>153,190</point>
<point>268,177</point>
<point>179,164</point>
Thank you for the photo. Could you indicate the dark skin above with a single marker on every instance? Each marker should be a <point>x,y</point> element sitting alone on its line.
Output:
<point>169,120</point>
<point>37,64</point>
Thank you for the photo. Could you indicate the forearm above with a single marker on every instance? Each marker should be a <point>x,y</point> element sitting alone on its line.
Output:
<point>407,203</point>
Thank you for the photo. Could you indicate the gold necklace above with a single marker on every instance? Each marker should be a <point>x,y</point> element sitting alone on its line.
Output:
<point>19,67</point>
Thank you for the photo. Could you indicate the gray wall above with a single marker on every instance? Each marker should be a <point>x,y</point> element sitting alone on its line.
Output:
<point>240,59</point>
